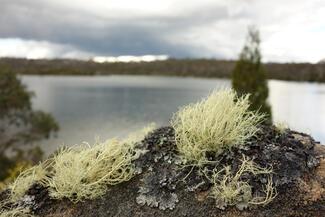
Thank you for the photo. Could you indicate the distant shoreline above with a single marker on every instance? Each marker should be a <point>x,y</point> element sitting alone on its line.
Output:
<point>204,68</point>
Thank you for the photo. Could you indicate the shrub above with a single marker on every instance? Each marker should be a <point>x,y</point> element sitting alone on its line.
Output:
<point>20,125</point>
<point>218,122</point>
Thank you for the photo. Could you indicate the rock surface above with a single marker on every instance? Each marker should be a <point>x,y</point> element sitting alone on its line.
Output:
<point>164,187</point>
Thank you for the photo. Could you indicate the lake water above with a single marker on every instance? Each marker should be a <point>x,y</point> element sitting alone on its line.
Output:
<point>112,106</point>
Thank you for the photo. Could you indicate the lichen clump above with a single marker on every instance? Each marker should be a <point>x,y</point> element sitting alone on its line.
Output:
<point>25,179</point>
<point>218,122</point>
<point>230,189</point>
<point>83,172</point>
<point>214,126</point>
<point>16,212</point>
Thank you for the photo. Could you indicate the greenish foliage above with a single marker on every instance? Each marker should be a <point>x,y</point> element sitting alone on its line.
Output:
<point>13,94</point>
<point>20,125</point>
<point>248,76</point>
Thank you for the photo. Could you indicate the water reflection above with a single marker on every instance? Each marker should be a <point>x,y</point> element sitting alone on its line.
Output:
<point>113,106</point>
<point>301,105</point>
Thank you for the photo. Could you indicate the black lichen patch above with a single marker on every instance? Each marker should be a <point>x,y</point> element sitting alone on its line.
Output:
<point>36,198</point>
<point>157,191</point>
<point>40,197</point>
<point>157,187</point>
<point>288,156</point>
<point>4,195</point>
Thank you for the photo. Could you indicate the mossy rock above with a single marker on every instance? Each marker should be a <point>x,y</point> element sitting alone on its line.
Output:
<point>164,187</point>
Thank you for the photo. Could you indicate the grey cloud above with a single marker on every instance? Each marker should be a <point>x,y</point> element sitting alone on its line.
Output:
<point>30,19</point>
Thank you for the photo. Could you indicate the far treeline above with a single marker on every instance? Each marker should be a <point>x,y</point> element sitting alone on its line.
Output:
<point>171,67</point>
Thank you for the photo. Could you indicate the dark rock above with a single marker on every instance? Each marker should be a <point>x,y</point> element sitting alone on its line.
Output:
<point>164,187</point>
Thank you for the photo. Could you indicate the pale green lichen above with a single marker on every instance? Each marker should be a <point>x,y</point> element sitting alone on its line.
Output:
<point>16,212</point>
<point>218,122</point>
<point>229,189</point>
<point>281,127</point>
<point>25,179</point>
<point>83,172</point>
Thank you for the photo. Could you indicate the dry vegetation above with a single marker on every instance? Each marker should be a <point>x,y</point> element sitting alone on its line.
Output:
<point>215,124</point>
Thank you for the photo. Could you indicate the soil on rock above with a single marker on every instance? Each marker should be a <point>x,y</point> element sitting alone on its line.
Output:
<point>164,187</point>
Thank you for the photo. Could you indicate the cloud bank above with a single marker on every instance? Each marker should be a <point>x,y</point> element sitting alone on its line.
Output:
<point>291,30</point>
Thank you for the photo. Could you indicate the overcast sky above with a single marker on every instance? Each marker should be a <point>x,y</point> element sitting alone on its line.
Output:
<point>291,30</point>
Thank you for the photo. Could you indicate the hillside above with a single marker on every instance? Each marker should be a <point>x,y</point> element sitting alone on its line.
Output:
<point>171,67</point>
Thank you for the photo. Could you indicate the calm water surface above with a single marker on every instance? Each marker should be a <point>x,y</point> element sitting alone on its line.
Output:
<point>112,106</point>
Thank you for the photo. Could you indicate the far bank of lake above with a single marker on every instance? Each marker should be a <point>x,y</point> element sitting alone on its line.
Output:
<point>201,68</point>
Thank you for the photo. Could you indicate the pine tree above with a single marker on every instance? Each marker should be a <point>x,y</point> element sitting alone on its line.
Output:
<point>248,76</point>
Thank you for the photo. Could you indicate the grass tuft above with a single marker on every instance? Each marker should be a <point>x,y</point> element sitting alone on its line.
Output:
<point>218,122</point>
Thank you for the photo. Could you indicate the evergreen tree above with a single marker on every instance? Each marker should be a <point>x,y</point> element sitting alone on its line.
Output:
<point>248,76</point>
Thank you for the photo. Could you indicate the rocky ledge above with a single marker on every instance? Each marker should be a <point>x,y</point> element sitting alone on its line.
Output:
<point>165,187</point>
